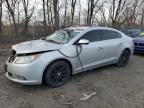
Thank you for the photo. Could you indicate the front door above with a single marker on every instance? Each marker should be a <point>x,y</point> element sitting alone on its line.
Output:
<point>91,54</point>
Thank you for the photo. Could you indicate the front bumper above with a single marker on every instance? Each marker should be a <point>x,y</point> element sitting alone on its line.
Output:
<point>26,74</point>
<point>24,82</point>
<point>139,49</point>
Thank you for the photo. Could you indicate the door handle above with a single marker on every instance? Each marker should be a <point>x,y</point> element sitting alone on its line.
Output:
<point>100,48</point>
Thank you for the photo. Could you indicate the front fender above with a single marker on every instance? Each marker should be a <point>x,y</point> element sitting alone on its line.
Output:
<point>49,57</point>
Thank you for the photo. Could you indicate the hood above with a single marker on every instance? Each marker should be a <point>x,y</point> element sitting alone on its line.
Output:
<point>139,39</point>
<point>35,46</point>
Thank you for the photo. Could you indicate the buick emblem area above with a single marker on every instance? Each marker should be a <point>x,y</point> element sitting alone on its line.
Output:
<point>12,56</point>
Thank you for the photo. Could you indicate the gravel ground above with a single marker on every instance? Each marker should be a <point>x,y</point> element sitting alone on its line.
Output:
<point>115,87</point>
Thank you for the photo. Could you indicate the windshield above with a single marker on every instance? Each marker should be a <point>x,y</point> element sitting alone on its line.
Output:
<point>135,31</point>
<point>62,36</point>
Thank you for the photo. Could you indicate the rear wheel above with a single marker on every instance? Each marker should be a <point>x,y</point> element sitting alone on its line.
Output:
<point>124,58</point>
<point>57,73</point>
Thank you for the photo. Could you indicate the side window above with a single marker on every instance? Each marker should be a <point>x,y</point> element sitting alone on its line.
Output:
<point>92,36</point>
<point>108,34</point>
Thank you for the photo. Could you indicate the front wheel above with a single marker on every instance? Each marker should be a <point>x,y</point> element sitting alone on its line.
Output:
<point>57,73</point>
<point>124,58</point>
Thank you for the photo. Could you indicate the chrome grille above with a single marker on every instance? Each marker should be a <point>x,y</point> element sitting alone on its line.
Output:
<point>139,44</point>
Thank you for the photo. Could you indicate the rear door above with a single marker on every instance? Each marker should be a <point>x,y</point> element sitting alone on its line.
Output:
<point>111,43</point>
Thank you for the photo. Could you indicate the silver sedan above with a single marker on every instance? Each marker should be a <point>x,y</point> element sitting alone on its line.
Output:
<point>53,59</point>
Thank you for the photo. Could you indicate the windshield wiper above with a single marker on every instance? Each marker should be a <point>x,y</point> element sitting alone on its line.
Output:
<point>49,40</point>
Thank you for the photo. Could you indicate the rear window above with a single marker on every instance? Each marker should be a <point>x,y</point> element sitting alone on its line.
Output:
<point>109,34</point>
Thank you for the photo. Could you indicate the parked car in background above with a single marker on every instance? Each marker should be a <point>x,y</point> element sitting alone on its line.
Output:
<point>138,38</point>
<point>139,45</point>
<point>132,32</point>
<point>55,58</point>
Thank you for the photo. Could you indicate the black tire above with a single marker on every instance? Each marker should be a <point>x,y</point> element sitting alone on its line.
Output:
<point>124,58</point>
<point>57,73</point>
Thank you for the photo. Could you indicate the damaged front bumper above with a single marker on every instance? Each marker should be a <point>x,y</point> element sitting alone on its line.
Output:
<point>27,74</point>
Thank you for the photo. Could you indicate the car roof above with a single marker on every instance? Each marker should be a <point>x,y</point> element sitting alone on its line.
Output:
<point>87,28</point>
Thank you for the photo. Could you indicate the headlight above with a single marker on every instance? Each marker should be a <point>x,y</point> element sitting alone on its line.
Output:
<point>26,59</point>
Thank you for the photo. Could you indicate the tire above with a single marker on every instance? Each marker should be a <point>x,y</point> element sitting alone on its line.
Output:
<point>57,74</point>
<point>124,58</point>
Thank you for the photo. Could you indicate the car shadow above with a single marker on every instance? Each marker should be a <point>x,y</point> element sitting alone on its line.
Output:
<point>98,70</point>
<point>139,54</point>
<point>74,78</point>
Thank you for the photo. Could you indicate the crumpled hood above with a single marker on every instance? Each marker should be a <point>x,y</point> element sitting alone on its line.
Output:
<point>35,46</point>
<point>139,39</point>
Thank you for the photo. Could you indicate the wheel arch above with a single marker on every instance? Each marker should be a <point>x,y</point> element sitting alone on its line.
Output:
<point>128,50</point>
<point>62,59</point>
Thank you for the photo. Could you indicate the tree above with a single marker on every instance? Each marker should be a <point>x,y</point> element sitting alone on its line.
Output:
<point>1,15</point>
<point>48,4</point>
<point>79,17</point>
<point>115,12</point>
<point>129,14</point>
<point>94,6</point>
<point>104,20</point>
<point>56,13</point>
<point>65,13</point>
<point>44,17</point>
<point>133,16</point>
<point>27,15</point>
<point>73,4</point>
<point>11,8</point>
<point>142,17</point>
<point>91,6</point>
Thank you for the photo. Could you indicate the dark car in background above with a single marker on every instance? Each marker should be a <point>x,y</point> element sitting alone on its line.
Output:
<point>132,32</point>
<point>139,45</point>
<point>138,39</point>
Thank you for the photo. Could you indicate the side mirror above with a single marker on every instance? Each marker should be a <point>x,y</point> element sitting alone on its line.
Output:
<point>83,41</point>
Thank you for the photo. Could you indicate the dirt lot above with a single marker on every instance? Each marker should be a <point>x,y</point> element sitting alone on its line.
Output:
<point>116,88</point>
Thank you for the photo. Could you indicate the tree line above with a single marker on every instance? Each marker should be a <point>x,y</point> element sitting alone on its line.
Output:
<point>49,15</point>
